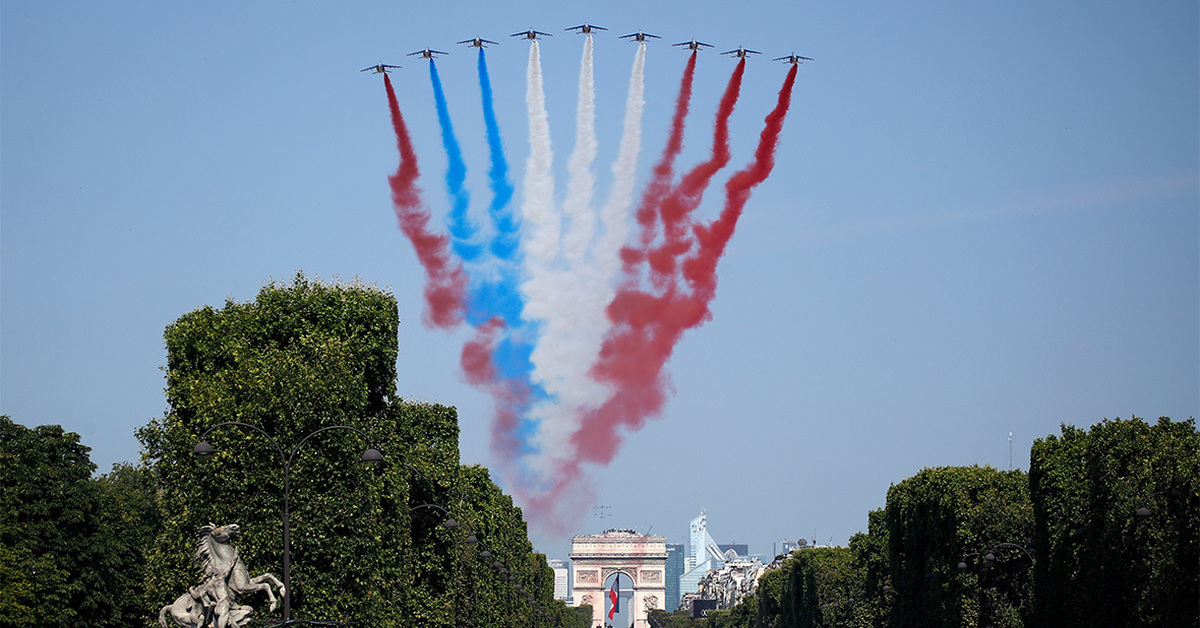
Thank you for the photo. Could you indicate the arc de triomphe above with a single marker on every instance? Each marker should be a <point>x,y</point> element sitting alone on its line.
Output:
<point>642,558</point>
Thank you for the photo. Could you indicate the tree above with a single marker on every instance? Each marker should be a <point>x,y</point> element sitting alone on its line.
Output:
<point>70,545</point>
<point>870,551</point>
<point>1101,562</point>
<point>300,357</point>
<point>48,517</point>
<point>943,516</point>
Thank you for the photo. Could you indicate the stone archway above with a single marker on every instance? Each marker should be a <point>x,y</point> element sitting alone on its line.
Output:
<point>641,558</point>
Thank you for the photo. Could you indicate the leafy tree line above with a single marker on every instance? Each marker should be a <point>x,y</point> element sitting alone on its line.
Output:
<point>368,541</point>
<point>1102,531</point>
<point>71,546</point>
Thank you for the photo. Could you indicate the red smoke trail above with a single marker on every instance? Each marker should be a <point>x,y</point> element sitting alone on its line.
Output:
<point>686,196</point>
<point>660,184</point>
<point>647,327</point>
<point>509,396</point>
<point>700,270</point>
<point>445,284</point>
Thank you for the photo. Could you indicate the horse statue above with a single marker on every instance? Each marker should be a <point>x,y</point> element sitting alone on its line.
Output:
<point>214,603</point>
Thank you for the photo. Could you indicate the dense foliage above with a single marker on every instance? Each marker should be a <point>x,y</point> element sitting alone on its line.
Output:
<point>1068,545</point>
<point>299,358</point>
<point>1100,562</point>
<point>71,546</point>
<point>942,517</point>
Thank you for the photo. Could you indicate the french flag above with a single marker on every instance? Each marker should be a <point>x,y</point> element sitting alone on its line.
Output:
<point>614,597</point>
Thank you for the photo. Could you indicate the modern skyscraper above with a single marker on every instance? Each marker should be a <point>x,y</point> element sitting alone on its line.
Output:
<point>562,590</point>
<point>703,554</point>
<point>676,565</point>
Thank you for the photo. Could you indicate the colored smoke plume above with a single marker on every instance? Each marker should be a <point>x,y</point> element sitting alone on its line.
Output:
<point>664,171</point>
<point>445,283</point>
<point>461,229</point>
<point>648,326</point>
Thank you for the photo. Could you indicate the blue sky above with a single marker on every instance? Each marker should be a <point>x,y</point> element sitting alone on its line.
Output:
<point>984,219</point>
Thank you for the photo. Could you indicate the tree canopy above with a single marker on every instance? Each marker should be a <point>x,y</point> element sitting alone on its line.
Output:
<point>301,357</point>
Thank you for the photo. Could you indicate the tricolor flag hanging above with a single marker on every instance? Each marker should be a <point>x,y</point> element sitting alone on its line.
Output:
<point>614,597</point>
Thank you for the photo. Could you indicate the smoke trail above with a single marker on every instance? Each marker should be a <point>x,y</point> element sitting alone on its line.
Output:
<point>507,238</point>
<point>445,284</point>
<point>571,336</point>
<point>581,184</point>
<point>538,209</point>
<point>700,269</point>
<point>660,184</point>
<point>647,327</point>
<point>686,196</point>
<point>461,229</point>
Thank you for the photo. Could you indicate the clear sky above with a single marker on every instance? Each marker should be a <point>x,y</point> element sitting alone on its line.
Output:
<point>984,219</point>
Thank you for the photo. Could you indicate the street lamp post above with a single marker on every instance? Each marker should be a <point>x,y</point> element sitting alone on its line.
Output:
<point>371,454</point>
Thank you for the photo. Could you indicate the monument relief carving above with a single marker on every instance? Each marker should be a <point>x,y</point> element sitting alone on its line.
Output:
<point>587,577</point>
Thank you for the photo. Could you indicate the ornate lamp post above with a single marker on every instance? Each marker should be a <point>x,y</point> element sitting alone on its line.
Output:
<point>371,454</point>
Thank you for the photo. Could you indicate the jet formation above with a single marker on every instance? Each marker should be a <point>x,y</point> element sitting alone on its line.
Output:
<point>586,28</point>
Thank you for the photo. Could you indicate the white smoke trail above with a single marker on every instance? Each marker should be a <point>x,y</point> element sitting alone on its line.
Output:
<point>573,333</point>
<point>541,220</point>
<point>581,184</point>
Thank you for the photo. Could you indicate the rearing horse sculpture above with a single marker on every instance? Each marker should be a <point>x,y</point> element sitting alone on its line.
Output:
<point>214,603</point>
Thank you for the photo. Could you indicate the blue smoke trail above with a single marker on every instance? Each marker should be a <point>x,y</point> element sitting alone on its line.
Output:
<point>504,246</point>
<point>501,295</point>
<point>461,229</point>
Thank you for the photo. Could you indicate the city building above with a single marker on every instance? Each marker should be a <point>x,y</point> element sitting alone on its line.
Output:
<point>739,549</point>
<point>676,565</point>
<point>562,585</point>
<point>703,554</point>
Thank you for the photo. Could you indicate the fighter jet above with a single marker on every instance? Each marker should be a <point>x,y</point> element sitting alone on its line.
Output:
<point>530,34</point>
<point>427,53</point>
<point>381,68</point>
<point>478,42</point>
<point>793,59</point>
<point>638,36</point>
<point>741,52</point>
<point>693,45</point>
<point>586,29</point>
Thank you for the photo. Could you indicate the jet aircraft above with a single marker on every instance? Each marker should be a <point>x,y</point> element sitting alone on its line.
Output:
<point>586,29</point>
<point>693,45</point>
<point>478,42</point>
<point>638,36</point>
<point>381,68</point>
<point>793,59</point>
<point>741,52</point>
<point>427,53</point>
<point>530,34</point>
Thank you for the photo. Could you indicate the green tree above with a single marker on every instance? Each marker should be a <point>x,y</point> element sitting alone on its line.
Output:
<point>70,545</point>
<point>48,518</point>
<point>1101,563</point>
<point>943,516</point>
<point>870,551</point>
<point>365,549</point>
